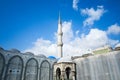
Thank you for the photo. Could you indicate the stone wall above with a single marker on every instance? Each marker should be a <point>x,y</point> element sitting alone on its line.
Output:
<point>98,67</point>
<point>15,65</point>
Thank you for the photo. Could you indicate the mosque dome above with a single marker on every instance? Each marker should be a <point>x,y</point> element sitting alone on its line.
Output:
<point>15,50</point>
<point>65,59</point>
<point>117,47</point>
<point>41,55</point>
<point>1,48</point>
<point>29,53</point>
<point>51,57</point>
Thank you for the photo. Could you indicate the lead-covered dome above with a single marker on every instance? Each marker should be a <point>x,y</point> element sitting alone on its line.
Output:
<point>117,47</point>
<point>29,53</point>
<point>41,55</point>
<point>65,59</point>
<point>1,48</point>
<point>14,50</point>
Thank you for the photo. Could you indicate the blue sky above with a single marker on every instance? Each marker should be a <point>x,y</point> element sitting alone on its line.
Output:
<point>24,22</point>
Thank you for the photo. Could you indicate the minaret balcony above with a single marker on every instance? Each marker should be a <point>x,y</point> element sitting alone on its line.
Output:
<point>60,33</point>
<point>60,44</point>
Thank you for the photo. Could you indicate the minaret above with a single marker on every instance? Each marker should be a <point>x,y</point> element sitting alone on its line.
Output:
<point>60,34</point>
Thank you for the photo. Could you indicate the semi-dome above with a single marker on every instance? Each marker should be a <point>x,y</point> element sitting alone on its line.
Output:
<point>65,59</point>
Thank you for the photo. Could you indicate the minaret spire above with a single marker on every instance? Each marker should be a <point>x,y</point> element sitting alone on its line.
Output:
<point>60,34</point>
<point>59,19</point>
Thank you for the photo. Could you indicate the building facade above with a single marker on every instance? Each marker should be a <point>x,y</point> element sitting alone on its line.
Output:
<point>15,65</point>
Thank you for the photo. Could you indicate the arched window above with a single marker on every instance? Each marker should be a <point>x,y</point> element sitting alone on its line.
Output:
<point>14,69</point>
<point>31,70</point>
<point>2,63</point>
<point>58,73</point>
<point>45,71</point>
<point>68,71</point>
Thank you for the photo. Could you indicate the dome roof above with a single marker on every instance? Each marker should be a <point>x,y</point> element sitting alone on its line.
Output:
<point>65,59</point>
<point>51,57</point>
<point>15,50</point>
<point>1,48</point>
<point>118,45</point>
<point>29,53</point>
<point>41,55</point>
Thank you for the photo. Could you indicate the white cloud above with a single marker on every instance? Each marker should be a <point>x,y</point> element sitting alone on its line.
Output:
<point>68,32</point>
<point>96,37</point>
<point>114,29</point>
<point>41,46</point>
<point>92,15</point>
<point>75,6</point>
<point>73,45</point>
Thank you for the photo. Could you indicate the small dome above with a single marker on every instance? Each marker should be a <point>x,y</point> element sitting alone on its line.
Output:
<point>118,45</point>
<point>65,59</point>
<point>51,57</point>
<point>29,53</point>
<point>41,55</point>
<point>89,51</point>
<point>1,48</point>
<point>15,50</point>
